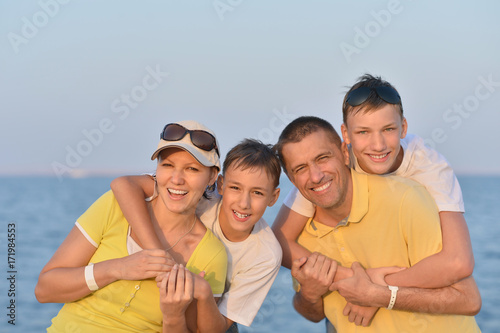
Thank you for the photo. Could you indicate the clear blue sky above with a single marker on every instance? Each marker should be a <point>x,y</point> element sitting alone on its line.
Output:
<point>87,86</point>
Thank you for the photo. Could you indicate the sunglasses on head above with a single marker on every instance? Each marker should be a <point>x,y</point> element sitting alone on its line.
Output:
<point>199,138</point>
<point>360,95</point>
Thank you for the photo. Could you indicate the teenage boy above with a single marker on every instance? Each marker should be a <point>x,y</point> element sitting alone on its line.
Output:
<point>247,186</point>
<point>375,129</point>
<point>378,221</point>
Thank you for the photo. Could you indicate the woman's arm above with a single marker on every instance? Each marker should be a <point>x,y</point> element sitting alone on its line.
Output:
<point>62,280</point>
<point>453,263</point>
<point>130,192</point>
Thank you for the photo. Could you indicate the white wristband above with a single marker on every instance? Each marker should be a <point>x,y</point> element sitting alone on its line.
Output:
<point>394,293</point>
<point>89,277</point>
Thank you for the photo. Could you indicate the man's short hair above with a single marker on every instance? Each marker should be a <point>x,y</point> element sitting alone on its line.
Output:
<point>373,102</point>
<point>251,153</point>
<point>299,129</point>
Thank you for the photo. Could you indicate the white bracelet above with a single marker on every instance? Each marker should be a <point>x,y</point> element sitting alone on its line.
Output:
<point>89,277</point>
<point>394,293</point>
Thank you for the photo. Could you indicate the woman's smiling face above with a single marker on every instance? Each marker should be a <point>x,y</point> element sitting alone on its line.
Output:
<point>182,180</point>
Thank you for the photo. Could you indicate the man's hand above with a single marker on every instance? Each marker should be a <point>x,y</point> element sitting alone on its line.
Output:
<point>360,315</point>
<point>377,275</point>
<point>315,274</point>
<point>360,290</point>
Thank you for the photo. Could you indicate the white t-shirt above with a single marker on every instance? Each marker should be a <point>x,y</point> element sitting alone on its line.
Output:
<point>421,164</point>
<point>253,264</point>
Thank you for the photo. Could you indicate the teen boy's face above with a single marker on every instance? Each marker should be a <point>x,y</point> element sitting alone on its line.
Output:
<point>375,138</point>
<point>245,196</point>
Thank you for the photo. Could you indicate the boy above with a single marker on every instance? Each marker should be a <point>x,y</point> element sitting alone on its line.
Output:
<point>375,129</point>
<point>248,185</point>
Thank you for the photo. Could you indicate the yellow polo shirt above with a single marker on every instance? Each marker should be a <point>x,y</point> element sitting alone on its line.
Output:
<point>393,222</point>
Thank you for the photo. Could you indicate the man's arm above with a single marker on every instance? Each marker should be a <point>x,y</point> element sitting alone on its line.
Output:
<point>461,298</point>
<point>314,274</point>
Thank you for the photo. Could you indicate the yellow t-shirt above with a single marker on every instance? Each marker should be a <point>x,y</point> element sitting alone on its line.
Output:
<point>124,305</point>
<point>393,222</point>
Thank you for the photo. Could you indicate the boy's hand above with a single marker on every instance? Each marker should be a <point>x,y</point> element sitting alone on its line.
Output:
<point>359,315</point>
<point>315,274</point>
<point>144,264</point>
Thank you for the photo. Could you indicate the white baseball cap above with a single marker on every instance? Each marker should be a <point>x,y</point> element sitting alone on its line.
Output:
<point>184,140</point>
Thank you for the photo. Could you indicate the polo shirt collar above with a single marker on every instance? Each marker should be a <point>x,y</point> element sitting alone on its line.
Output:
<point>359,206</point>
<point>358,210</point>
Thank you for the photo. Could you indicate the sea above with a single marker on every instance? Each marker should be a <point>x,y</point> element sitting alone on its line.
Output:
<point>36,214</point>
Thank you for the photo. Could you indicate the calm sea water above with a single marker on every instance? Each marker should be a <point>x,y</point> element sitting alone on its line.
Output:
<point>43,210</point>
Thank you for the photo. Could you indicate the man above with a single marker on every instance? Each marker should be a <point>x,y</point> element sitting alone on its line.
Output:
<point>376,221</point>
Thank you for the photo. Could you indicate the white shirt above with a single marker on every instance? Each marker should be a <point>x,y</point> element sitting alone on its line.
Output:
<point>253,264</point>
<point>421,164</point>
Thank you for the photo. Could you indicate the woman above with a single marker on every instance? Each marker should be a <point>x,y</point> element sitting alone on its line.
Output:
<point>103,275</point>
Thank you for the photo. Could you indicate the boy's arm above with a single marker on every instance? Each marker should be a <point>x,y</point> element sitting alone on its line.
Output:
<point>453,263</point>
<point>287,227</point>
<point>209,317</point>
<point>130,192</point>
<point>461,298</point>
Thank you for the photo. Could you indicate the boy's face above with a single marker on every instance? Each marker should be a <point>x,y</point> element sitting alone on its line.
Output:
<point>375,138</point>
<point>245,196</point>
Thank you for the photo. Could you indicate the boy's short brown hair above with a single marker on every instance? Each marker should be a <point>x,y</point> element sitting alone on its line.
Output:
<point>251,153</point>
<point>373,102</point>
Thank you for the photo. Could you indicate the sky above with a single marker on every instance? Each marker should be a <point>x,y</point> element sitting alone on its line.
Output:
<point>87,86</point>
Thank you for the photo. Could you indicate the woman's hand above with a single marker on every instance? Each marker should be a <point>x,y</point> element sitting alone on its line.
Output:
<point>176,293</point>
<point>201,287</point>
<point>144,264</point>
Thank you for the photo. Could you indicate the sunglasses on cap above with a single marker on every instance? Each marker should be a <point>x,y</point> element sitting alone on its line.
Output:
<point>199,138</point>
<point>360,95</point>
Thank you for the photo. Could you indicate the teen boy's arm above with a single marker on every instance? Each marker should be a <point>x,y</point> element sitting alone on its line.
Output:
<point>461,298</point>
<point>287,227</point>
<point>418,220</point>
